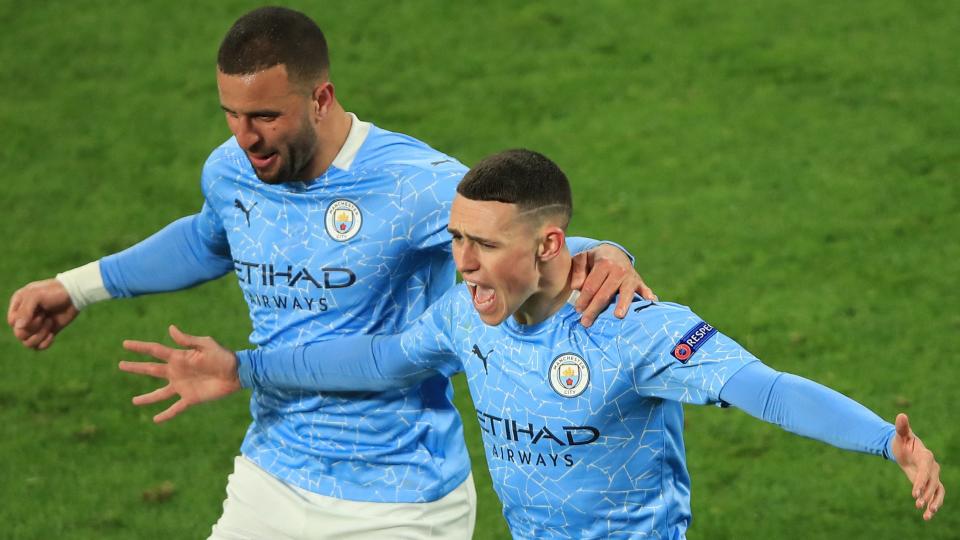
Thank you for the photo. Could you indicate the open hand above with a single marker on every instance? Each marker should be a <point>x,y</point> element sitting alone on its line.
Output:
<point>920,467</point>
<point>203,371</point>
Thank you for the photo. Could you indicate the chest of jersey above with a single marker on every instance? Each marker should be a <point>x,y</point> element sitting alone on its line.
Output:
<point>556,394</point>
<point>323,259</point>
<point>568,438</point>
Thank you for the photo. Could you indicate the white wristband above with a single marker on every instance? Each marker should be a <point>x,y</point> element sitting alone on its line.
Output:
<point>84,285</point>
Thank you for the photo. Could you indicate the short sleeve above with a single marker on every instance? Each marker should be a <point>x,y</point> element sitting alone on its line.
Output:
<point>676,355</point>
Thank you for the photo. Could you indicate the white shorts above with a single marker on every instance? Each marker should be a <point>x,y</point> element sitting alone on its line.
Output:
<point>261,507</point>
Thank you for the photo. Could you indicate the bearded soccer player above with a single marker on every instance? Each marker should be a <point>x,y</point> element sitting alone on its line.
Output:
<point>583,427</point>
<point>333,227</point>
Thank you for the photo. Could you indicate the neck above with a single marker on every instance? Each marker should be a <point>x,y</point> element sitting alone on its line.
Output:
<point>332,132</point>
<point>553,290</point>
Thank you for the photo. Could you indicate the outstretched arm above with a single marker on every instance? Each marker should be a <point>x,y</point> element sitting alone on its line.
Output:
<point>205,371</point>
<point>187,252</point>
<point>804,407</point>
<point>184,253</point>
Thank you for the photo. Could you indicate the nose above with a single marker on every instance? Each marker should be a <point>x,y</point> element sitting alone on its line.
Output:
<point>465,256</point>
<point>247,135</point>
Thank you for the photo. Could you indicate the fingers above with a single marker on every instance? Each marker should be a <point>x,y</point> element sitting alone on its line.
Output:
<point>156,350</point>
<point>13,308</point>
<point>185,340</point>
<point>591,285</point>
<point>922,485</point>
<point>903,426</point>
<point>930,483</point>
<point>645,292</point>
<point>935,503</point>
<point>160,394</point>
<point>600,300</point>
<point>151,369</point>
<point>623,301</point>
<point>35,338</point>
<point>578,271</point>
<point>25,309</point>
<point>171,411</point>
<point>47,341</point>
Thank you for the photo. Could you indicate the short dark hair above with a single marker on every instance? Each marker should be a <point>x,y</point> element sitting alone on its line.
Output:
<point>522,177</point>
<point>269,36</point>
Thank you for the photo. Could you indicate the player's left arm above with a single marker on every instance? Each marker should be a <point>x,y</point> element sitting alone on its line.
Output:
<point>677,356</point>
<point>812,410</point>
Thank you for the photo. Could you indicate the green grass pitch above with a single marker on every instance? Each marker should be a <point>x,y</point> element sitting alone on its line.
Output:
<point>789,169</point>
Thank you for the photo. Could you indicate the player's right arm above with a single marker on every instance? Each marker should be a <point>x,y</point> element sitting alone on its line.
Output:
<point>189,251</point>
<point>205,371</point>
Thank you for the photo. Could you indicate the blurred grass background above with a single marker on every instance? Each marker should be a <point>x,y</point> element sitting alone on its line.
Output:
<point>787,168</point>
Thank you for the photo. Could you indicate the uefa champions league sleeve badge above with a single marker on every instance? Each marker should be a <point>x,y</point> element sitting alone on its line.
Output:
<point>343,220</point>
<point>569,375</point>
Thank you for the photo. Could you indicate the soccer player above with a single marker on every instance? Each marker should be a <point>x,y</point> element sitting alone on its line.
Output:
<point>333,227</point>
<point>582,426</point>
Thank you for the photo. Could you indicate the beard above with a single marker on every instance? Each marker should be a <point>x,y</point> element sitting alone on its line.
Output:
<point>293,159</point>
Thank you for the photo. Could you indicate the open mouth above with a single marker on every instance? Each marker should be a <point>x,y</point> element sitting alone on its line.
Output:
<point>262,162</point>
<point>483,296</point>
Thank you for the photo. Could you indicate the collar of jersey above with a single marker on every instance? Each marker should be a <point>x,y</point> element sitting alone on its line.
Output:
<point>556,319</point>
<point>355,139</point>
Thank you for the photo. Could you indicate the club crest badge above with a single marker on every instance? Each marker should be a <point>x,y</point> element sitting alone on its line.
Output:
<point>343,220</point>
<point>569,375</point>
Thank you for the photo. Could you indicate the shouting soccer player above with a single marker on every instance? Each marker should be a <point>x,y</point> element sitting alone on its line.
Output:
<point>333,227</point>
<point>582,426</point>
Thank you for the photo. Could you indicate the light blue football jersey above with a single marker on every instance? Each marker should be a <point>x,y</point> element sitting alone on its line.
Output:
<point>361,249</point>
<point>582,427</point>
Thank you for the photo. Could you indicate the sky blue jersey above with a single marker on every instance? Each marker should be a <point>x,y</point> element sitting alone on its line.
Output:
<point>362,249</point>
<point>582,427</point>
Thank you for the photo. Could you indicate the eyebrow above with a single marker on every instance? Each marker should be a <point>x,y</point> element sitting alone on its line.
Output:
<point>451,230</point>
<point>268,113</point>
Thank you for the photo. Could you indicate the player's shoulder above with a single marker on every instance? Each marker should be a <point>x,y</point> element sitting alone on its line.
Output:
<point>651,330</point>
<point>225,161</point>
<point>647,317</point>
<point>406,155</point>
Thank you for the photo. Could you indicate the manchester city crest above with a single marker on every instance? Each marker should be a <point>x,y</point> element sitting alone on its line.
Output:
<point>343,220</point>
<point>569,375</point>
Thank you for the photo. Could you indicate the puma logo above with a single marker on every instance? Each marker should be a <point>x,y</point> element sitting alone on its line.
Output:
<point>481,356</point>
<point>246,211</point>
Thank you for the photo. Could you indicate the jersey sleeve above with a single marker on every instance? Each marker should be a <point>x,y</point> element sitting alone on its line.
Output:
<point>356,363</point>
<point>187,252</point>
<point>428,192</point>
<point>577,244</point>
<point>676,355</point>
<point>806,408</point>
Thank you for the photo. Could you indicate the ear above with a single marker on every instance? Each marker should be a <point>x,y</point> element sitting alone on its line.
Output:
<point>322,98</point>
<point>552,243</point>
